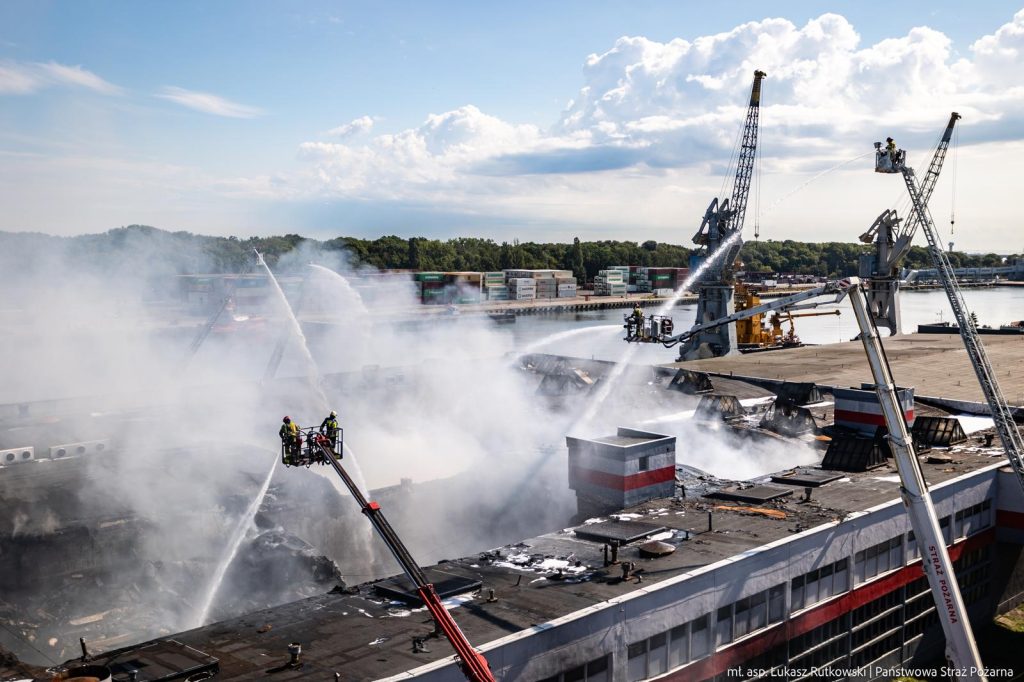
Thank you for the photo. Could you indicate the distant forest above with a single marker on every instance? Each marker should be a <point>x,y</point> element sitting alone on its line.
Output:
<point>140,246</point>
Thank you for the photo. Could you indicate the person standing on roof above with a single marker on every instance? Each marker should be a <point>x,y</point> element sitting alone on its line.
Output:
<point>289,433</point>
<point>329,427</point>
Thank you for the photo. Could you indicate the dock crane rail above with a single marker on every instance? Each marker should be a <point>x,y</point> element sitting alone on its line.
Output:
<point>316,448</point>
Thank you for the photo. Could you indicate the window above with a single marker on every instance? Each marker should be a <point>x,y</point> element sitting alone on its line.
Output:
<point>679,646</point>
<point>636,667</point>
<point>820,584</point>
<point>973,519</point>
<point>657,649</point>
<point>776,603</point>
<point>723,626</point>
<point>878,559</point>
<point>946,527</point>
<point>700,638</point>
<point>645,463</point>
<point>594,671</point>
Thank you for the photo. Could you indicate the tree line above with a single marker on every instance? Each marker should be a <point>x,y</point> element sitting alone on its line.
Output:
<point>187,253</point>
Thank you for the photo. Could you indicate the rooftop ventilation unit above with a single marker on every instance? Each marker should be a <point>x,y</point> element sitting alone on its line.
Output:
<point>798,392</point>
<point>88,447</point>
<point>940,431</point>
<point>713,407</point>
<point>689,382</point>
<point>17,455</point>
<point>787,419</point>
<point>854,453</point>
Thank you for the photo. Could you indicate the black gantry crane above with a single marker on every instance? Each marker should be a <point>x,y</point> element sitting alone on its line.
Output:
<point>722,230</point>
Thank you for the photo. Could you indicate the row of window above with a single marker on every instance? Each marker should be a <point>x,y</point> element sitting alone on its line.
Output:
<point>878,559</point>
<point>820,584</point>
<point>692,641</point>
<point>598,670</point>
<point>669,650</point>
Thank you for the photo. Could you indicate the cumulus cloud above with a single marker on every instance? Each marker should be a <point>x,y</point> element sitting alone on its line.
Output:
<point>23,78</point>
<point>362,124</point>
<point>671,110</point>
<point>208,103</point>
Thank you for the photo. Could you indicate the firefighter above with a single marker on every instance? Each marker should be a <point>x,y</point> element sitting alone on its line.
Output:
<point>289,440</point>
<point>329,427</point>
<point>638,321</point>
<point>890,146</point>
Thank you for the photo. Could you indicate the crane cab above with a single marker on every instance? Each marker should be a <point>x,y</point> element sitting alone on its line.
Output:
<point>886,162</point>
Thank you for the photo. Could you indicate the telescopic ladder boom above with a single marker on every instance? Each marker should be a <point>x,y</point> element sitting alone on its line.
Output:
<point>474,665</point>
<point>961,649</point>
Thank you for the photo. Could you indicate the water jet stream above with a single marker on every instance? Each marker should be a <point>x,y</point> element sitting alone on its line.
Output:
<point>244,524</point>
<point>561,336</point>
<point>609,382</point>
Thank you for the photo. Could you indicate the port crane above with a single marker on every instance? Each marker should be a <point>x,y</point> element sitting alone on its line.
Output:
<point>892,235</point>
<point>1002,416</point>
<point>313,447</point>
<point>722,228</point>
<point>961,648</point>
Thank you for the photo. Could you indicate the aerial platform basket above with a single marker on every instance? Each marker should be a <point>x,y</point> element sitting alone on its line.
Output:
<point>307,452</point>
<point>889,163</point>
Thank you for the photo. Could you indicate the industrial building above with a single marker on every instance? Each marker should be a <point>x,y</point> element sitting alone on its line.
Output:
<point>684,577</point>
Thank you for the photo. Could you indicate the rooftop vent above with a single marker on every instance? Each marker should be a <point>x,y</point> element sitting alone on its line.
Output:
<point>718,407</point>
<point>757,494</point>
<point>690,382</point>
<point>787,419</point>
<point>854,453</point>
<point>940,431</point>
<point>446,585</point>
<point>617,532</point>
<point>807,479</point>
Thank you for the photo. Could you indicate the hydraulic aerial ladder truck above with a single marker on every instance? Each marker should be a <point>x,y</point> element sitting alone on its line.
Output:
<point>311,448</point>
<point>722,227</point>
<point>1001,413</point>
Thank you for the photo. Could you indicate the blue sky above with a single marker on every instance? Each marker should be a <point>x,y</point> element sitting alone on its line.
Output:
<point>315,117</point>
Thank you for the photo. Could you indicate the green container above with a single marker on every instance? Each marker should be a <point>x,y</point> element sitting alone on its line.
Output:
<point>429,276</point>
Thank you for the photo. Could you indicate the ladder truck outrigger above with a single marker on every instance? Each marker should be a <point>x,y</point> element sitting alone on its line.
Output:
<point>961,649</point>
<point>312,447</point>
<point>722,228</point>
<point>1002,415</point>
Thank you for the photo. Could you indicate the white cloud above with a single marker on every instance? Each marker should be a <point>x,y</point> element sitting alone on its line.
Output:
<point>362,124</point>
<point>646,108</point>
<point>23,78</point>
<point>208,103</point>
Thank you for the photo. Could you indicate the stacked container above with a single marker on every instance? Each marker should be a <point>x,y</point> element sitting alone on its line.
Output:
<point>464,286</point>
<point>522,289</point>
<point>609,283</point>
<point>496,292</point>
<point>566,284</point>
<point>547,286</point>
<point>431,288</point>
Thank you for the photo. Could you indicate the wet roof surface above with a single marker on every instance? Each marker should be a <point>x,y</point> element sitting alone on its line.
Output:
<point>365,636</point>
